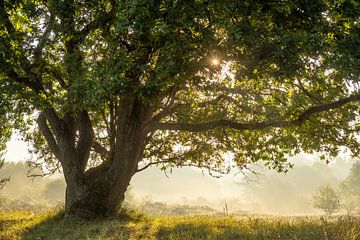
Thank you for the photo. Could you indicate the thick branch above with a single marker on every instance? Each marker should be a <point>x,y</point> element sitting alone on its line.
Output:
<point>54,121</point>
<point>49,136</point>
<point>86,138</point>
<point>200,127</point>
<point>304,116</point>
<point>34,85</point>
<point>326,107</point>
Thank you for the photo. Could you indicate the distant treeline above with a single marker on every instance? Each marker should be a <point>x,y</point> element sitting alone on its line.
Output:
<point>26,191</point>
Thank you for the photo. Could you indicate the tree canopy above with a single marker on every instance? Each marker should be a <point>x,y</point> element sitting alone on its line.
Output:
<point>177,83</point>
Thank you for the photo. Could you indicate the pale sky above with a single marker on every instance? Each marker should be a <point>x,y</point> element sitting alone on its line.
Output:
<point>16,151</point>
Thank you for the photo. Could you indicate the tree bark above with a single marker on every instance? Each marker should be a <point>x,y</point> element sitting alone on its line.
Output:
<point>98,191</point>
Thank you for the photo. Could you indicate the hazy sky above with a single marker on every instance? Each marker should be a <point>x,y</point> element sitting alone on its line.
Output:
<point>16,150</point>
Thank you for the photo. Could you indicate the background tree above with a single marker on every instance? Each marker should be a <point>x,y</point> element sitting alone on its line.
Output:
<point>326,199</point>
<point>350,189</point>
<point>3,180</point>
<point>352,181</point>
<point>116,86</point>
<point>21,187</point>
<point>54,191</point>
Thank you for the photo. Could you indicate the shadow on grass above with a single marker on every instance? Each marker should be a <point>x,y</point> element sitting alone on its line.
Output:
<point>59,226</point>
<point>130,226</point>
<point>54,226</point>
<point>245,229</point>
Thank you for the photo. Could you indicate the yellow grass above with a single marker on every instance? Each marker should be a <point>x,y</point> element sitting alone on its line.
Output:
<point>53,225</point>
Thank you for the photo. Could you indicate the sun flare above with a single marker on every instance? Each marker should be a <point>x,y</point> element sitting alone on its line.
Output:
<point>215,61</point>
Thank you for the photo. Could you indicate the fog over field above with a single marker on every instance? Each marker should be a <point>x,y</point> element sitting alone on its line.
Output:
<point>268,192</point>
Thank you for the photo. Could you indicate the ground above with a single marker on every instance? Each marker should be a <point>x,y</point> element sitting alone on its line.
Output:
<point>53,225</point>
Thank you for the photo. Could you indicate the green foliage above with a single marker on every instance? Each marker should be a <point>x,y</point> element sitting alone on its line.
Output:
<point>327,199</point>
<point>24,225</point>
<point>283,58</point>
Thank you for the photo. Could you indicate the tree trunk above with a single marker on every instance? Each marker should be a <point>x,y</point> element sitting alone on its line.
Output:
<point>89,199</point>
<point>98,191</point>
<point>95,194</point>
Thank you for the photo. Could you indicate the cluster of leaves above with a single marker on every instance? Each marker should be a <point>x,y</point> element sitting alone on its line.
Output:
<point>277,67</point>
<point>283,58</point>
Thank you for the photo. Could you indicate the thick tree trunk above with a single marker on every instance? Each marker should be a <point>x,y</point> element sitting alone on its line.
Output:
<point>95,194</point>
<point>98,191</point>
<point>89,199</point>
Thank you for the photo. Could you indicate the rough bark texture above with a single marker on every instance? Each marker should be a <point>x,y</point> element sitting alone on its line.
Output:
<point>97,191</point>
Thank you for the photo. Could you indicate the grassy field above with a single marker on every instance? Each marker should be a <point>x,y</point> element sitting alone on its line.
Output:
<point>53,225</point>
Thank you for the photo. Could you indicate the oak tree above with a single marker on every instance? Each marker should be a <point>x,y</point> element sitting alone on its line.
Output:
<point>104,89</point>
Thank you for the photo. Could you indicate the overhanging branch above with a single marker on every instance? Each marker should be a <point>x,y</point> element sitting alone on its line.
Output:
<point>303,117</point>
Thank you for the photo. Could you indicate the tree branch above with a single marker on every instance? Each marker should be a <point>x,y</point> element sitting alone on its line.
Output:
<point>304,116</point>
<point>86,138</point>
<point>42,40</point>
<point>49,136</point>
<point>168,105</point>
<point>57,75</point>
<point>3,181</point>
<point>174,160</point>
<point>54,121</point>
<point>31,80</point>
<point>97,147</point>
<point>307,93</point>
<point>103,18</point>
<point>33,85</point>
<point>326,107</point>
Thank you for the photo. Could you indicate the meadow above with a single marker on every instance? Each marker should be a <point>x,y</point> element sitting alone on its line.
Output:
<point>53,225</point>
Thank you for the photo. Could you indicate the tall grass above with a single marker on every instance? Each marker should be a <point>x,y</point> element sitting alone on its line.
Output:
<point>53,225</point>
